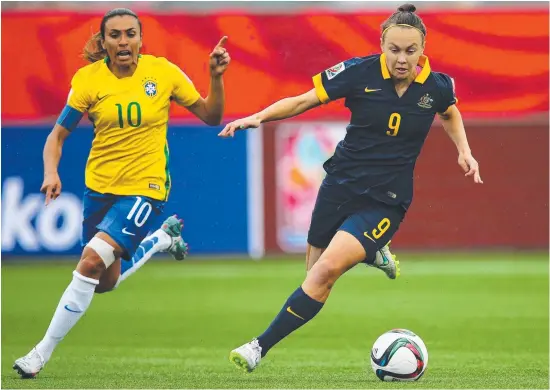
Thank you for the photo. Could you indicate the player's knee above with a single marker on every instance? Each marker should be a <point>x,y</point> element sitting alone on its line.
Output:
<point>90,265</point>
<point>325,273</point>
<point>97,256</point>
<point>104,250</point>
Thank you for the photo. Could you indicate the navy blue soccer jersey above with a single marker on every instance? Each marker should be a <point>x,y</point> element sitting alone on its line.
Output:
<point>386,132</point>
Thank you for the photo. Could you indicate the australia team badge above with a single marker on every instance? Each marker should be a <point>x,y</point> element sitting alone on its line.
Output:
<point>425,101</point>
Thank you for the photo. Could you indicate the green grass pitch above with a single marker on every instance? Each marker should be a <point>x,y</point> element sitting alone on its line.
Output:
<point>483,317</point>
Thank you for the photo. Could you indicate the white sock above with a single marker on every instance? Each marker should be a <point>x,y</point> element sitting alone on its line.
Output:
<point>73,304</point>
<point>157,242</point>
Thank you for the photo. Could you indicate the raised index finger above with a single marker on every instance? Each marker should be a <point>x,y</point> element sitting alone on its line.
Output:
<point>222,41</point>
<point>48,195</point>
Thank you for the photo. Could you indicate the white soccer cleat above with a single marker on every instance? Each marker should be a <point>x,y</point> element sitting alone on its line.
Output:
<point>178,248</point>
<point>387,262</point>
<point>247,357</point>
<point>29,365</point>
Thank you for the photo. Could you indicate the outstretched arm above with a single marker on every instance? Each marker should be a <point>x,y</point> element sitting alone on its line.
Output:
<point>453,125</point>
<point>282,109</point>
<point>52,154</point>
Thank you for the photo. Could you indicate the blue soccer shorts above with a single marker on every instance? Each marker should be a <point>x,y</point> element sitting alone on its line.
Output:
<point>126,219</point>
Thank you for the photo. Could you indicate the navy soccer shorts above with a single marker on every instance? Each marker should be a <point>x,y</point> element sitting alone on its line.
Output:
<point>372,222</point>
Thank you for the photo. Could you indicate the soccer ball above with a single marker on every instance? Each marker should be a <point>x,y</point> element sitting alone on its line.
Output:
<point>399,355</point>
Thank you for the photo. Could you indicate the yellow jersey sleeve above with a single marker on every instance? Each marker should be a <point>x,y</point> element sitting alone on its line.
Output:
<point>183,92</point>
<point>79,96</point>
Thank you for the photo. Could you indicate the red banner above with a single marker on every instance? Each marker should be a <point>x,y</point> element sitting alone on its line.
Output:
<point>499,60</point>
<point>449,211</point>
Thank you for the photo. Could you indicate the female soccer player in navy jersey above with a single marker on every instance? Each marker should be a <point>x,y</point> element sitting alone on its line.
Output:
<point>393,98</point>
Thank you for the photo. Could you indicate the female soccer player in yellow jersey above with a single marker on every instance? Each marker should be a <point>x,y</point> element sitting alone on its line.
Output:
<point>127,97</point>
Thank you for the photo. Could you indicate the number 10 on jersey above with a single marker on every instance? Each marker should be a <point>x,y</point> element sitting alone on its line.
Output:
<point>393,124</point>
<point>133,119</point>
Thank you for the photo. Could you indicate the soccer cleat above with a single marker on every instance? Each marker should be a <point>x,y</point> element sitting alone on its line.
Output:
<point>247,357</point>
<point>179,249</point>
<point>387,262</point>
<point>173,227</point>
<point>29,365</point>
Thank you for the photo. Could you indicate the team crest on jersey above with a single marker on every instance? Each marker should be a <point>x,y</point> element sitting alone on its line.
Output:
<point>332,72</point>
<point>150,87</point>
<point>425,101</point>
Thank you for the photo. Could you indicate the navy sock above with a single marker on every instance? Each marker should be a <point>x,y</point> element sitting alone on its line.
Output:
<point>370,259</point>
<point>297,310</point>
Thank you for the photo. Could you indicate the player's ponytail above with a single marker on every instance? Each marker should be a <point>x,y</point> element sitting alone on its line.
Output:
<point>405,16</point>
<point>93,51</point>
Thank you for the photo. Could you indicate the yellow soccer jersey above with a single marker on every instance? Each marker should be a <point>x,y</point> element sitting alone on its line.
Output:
<point>129,154</point>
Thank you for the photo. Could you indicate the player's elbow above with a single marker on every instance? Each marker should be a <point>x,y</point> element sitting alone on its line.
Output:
<point>208,111</point>
<point>56,138</point>
<point>444,116</point>
<point>306,101</point>
<point>213,120</point>
<point>213,117</point>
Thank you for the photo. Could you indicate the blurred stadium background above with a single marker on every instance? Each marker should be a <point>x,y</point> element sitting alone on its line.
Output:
<point>251,197</point>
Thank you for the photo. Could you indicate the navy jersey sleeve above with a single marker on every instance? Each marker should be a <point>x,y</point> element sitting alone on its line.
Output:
<point>335,82</point>
<point>446,87</point>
